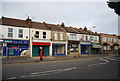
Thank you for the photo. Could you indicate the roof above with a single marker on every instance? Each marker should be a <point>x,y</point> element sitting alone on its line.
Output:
<point>22,23</point>
<point>13,22</point>
<point>39,25</point>
<point>54,27</point>
<point>80,30</point>
<point>107,34</point>
<point>90,32</point>
<point>70,30</point>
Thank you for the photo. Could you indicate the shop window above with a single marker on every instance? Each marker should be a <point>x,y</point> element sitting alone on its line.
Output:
<point>20,33</point>
<point>37,34</point>
<point>10,32</point>
<point>85,49</point>
<point>44,35</point>
<point>73,47</point>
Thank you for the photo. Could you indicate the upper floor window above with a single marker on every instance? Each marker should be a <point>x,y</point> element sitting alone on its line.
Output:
<point>10,32</point>
<point>111,39</point>
<point>37,34</point>
<point>91,38</point>
<point>44,35</point>
<point>114,40</point>
<point>86,38</point>
<point>73,36</point>
<point>82,37</point>
<point>96,38</point>
<point>20,33</point>
<point>104,39</point>
<point>61,36</point>
<point>55,36</point>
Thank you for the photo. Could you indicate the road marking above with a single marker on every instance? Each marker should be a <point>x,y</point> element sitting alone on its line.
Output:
<point>104,60</point>
<point>11,78</point>
<point>45,72</point>
<point>23,76</point>
<point>110,58</point>
<point>70,68</point>
<point>94,64</point>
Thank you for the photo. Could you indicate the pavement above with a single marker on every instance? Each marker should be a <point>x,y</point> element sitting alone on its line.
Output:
<point>52,58</point>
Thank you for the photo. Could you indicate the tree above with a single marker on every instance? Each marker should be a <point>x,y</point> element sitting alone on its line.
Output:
<point>115,5</point>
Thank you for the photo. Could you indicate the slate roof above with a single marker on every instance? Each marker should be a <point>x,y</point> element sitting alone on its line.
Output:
<point>54,27</point>
<point>80,30</point>
<point>39,25</point>
<point>13,22</point>
<point>22,23</point>
<point>90,32</point>
<point>70,30</point>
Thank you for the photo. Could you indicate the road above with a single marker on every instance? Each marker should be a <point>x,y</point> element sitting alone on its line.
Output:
<point>82,68</point>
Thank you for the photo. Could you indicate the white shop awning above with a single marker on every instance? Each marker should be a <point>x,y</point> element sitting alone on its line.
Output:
<point>96,46</point>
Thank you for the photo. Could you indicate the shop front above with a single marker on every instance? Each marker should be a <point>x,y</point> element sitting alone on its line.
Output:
<point>15,47</point>
<point>106,48</point>
<point>73,47</point>
<point>85,48</point>
<point>44,46</point>
<point>96,49</point>
<point>58,49</point>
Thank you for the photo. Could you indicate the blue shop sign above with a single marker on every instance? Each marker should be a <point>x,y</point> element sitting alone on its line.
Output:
<point>16,41</point>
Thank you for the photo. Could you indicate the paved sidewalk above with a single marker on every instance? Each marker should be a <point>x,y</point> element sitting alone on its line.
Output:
<point>54,58</point>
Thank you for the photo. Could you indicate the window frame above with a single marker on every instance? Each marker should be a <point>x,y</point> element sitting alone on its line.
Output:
<point>44,36</point>
<point>55,36</point>
<point>37,34</point>
<point>61,36</point>
<point>10,32</point>
<point>20,33</point>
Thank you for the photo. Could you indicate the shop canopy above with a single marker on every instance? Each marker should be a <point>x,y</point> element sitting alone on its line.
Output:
<point>96,46</point>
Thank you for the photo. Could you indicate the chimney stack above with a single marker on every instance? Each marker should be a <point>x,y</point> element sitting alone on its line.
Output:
<point>29,21</point>
<point>62,25</point>
<point>85,28</point>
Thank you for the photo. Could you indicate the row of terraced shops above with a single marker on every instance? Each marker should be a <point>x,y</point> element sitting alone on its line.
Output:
<point>28,38</point>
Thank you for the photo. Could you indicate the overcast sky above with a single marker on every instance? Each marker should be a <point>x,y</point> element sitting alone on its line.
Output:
<point>76,14</point>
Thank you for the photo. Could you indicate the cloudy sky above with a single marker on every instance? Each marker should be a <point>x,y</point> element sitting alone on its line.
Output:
<point>77,14</point>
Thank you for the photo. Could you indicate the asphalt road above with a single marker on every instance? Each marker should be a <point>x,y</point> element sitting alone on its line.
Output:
<point>85,68</point>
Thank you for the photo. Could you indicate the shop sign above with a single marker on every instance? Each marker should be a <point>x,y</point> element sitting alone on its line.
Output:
<point>40,41</point>
<point>16,41</point>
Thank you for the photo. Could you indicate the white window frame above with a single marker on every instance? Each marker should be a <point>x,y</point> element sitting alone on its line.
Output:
<point>44,35</point>
<point>86,38</point>
<point>55,36</point>
<point>104,39</point>
<point>11,32</point>
<point>111,39</point>
<point>20,33</point>
<point>37,34</point>
<point>61,36</point>
<point>114,39</point>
